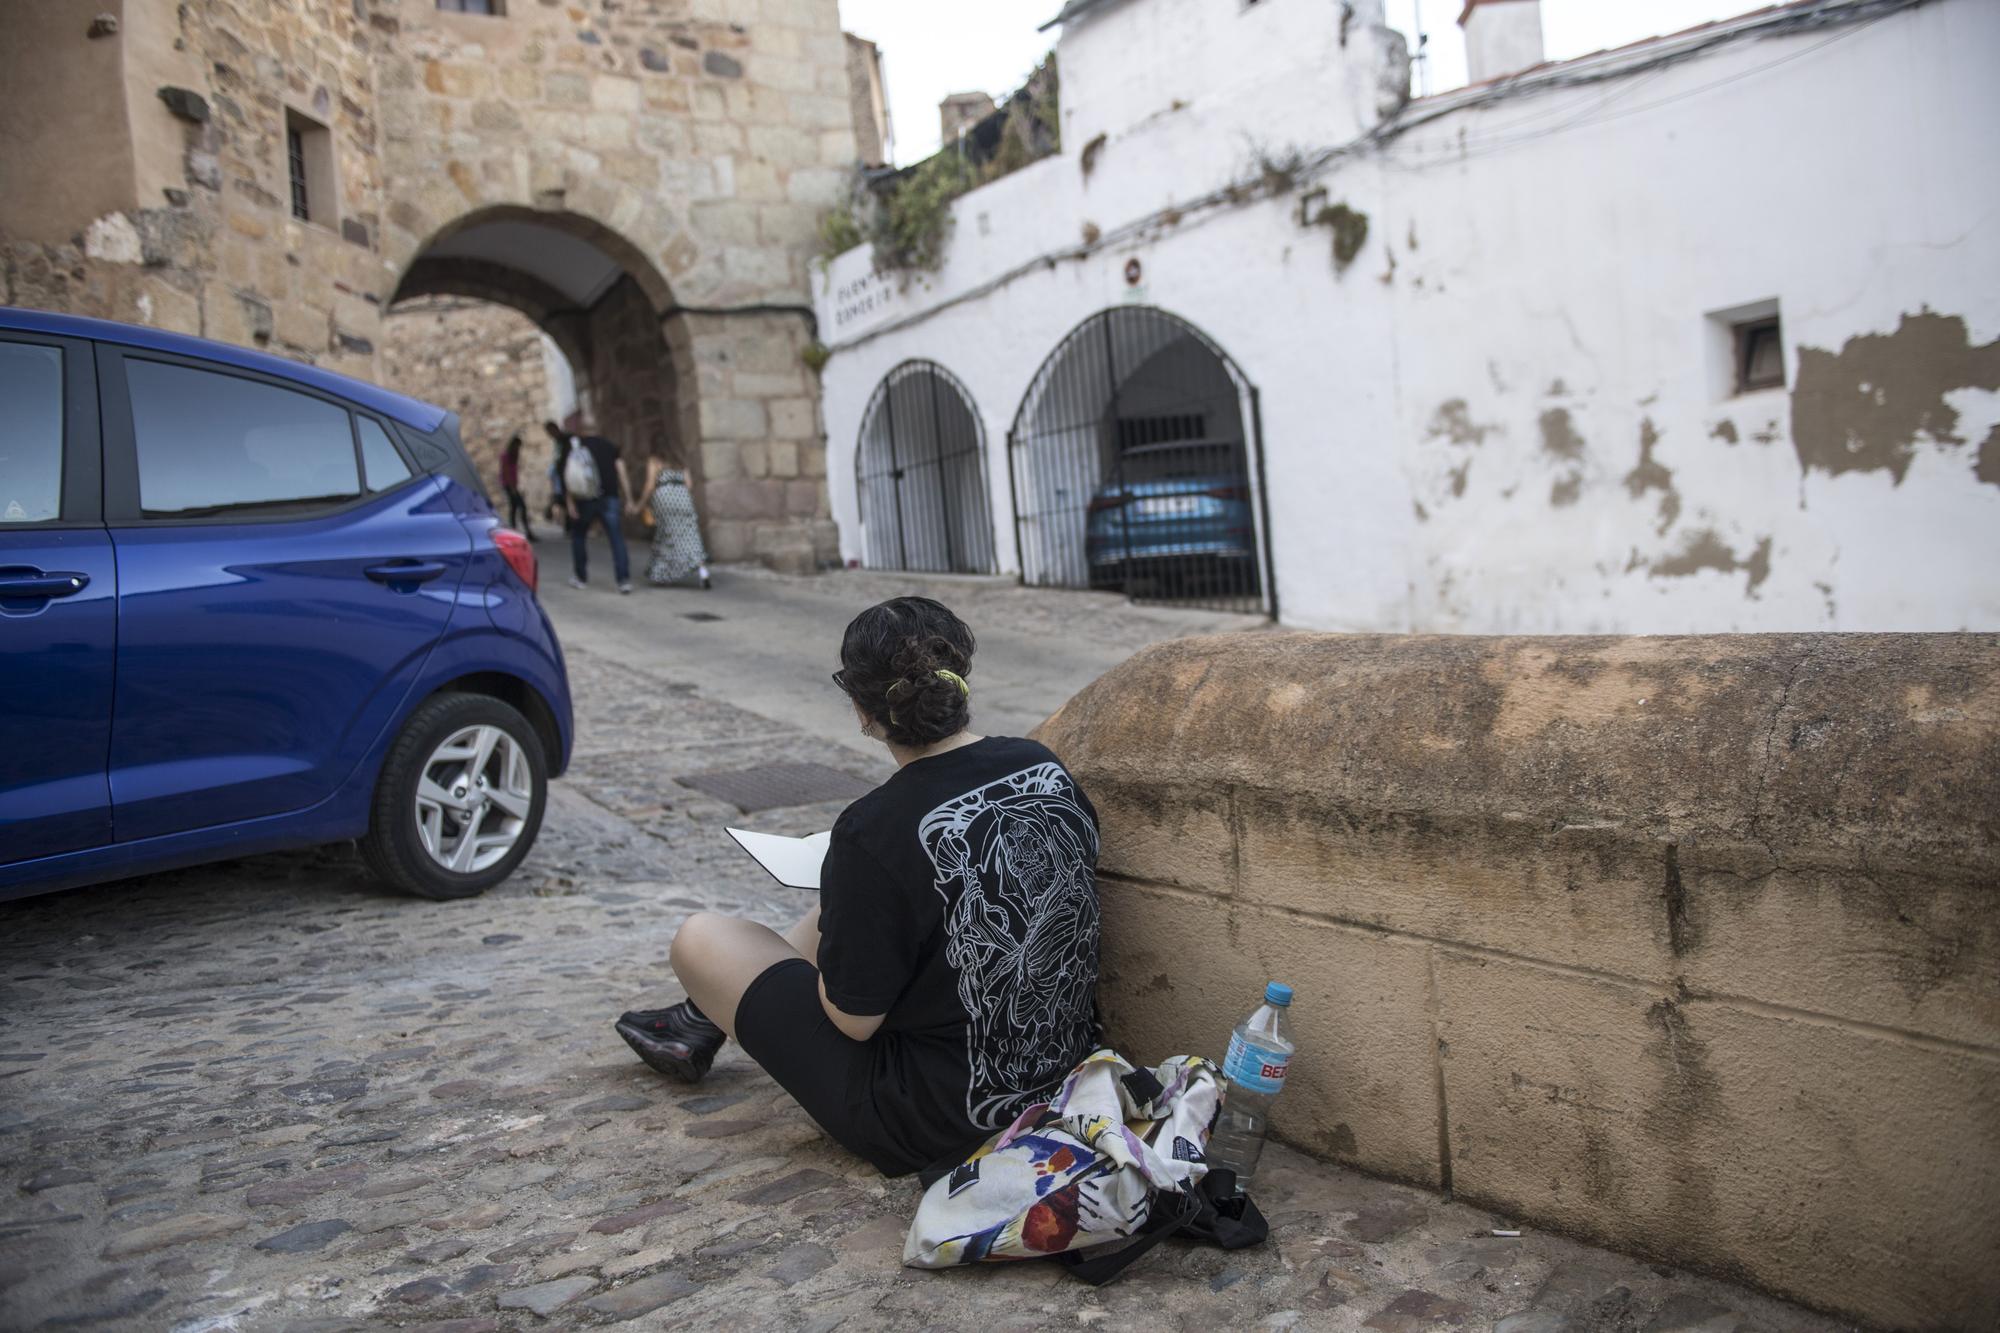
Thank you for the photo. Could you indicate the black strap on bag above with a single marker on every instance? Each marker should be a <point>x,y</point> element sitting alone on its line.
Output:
<point>1226,1219</point>
<point>1212,1213</point>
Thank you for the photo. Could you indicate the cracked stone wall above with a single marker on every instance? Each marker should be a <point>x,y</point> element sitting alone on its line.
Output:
<point>1686,945</point>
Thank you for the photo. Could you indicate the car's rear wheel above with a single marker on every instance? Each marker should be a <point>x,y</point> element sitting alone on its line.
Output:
<point>460,798</point>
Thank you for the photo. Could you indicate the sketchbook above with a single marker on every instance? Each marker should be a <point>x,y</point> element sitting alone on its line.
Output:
<point>793,862</point>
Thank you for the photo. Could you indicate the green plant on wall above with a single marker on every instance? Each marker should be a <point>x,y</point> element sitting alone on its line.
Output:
<point>914,222</point>
<point>839,230</point>
<point>908,216</point>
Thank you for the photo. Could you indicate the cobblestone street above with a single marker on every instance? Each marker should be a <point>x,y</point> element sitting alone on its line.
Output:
<point>272,1095</point>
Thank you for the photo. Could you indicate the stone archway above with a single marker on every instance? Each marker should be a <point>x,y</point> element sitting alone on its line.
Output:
<point>588,289</point>
<point>685,150</point>
<point>720,392</point>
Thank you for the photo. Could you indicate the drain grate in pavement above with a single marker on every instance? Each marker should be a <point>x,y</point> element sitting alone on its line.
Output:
<point>773,786</point>
<point>699,615</point>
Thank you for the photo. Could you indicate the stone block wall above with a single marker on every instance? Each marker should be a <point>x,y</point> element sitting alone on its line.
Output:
<point>710,135</point>
<point>707,144</point>
<point>210,246</point>
<point>1687,946</point>
<point>761,466</point>
<point>486,363</point>
<point>691,144</point>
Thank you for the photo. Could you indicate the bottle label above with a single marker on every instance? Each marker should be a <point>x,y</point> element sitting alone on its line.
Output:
<point>1247,1066</point>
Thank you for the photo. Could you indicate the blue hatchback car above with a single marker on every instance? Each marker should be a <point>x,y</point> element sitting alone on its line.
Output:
<point>248,605</point>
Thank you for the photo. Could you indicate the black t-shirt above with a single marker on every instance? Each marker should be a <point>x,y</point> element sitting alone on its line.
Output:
<point>959,898</point>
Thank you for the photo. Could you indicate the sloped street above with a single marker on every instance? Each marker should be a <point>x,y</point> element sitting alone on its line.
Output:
<point>271,1095</point>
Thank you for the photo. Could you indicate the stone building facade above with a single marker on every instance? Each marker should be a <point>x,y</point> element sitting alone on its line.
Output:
<point>644,182</point>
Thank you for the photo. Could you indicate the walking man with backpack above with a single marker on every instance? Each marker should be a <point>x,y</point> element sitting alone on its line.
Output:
<point>594,491</point>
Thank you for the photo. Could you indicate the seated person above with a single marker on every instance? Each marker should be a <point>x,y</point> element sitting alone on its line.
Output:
<point>947,979</point>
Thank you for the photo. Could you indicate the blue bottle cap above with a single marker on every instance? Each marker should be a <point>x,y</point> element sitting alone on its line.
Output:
<point>1278,993</point>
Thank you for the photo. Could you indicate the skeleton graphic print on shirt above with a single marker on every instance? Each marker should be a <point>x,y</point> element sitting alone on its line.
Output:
<point>1014,864</point>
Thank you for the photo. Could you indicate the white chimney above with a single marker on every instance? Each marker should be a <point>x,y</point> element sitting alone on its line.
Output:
<point>1501,37</point>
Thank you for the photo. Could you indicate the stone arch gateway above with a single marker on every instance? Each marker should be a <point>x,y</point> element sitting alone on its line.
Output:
<point>597,298</point>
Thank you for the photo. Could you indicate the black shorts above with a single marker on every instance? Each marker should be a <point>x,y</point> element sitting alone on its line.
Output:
<point>781,1024</point>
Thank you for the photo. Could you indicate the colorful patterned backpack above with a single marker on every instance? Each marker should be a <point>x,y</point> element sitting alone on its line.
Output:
<point>1114,1159</point>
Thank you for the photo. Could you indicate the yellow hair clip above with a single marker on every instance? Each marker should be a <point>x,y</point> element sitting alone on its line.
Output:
<point>957,680</point>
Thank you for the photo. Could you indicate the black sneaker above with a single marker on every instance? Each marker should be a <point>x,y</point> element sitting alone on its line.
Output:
<point>672,1040</point>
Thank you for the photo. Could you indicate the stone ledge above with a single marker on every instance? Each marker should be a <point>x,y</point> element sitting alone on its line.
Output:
<point>1688,945</point>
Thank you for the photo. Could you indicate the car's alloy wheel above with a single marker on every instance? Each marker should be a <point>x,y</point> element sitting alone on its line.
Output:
<point>473,799</point>
<point>460,798</point>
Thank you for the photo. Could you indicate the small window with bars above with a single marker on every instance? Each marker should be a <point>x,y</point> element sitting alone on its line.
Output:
<point>490,8</point>
<point>309,169</point>
<point>295,155</point>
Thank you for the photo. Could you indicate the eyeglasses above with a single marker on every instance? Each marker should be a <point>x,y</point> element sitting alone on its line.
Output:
<point>840,679</point>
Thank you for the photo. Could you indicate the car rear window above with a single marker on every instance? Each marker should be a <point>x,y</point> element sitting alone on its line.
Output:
<point>31,433</point>
<point>381,466</point>
<point>210,442</point>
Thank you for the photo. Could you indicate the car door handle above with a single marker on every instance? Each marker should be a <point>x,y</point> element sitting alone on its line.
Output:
<point>37,584</point>
<point>405,571</point>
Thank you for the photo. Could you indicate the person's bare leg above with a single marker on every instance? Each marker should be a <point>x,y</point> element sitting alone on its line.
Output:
<point>717,957</point>
<point>804,937</point>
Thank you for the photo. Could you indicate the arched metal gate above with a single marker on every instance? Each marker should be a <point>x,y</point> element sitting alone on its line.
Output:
<point>1137,465</point>
<point>921,474</point>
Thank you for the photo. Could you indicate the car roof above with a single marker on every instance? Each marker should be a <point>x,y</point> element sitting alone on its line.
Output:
<point>412,412</point>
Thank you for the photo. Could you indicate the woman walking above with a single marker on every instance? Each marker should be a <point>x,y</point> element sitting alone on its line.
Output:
<point>677,548</point>
<point>510,482</point>
<point>947,980</point>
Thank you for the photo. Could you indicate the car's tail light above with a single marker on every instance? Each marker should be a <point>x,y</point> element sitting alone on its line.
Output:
<point>1229,492</point>
<point>1104,502</point>
<point>519,555</point>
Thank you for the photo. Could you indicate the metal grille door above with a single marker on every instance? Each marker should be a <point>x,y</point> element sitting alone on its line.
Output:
<point>1136,467</point>
<point>921,473</point>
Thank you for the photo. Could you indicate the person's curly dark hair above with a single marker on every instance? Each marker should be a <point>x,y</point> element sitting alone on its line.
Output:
<point>891,660</point>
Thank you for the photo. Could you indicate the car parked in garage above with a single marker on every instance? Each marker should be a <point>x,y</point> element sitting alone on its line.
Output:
<point>1173,519</point>
<point>247,605</point>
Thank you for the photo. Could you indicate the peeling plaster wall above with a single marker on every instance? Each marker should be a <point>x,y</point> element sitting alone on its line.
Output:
<point>1511,411</point>
<point>1562,282</point>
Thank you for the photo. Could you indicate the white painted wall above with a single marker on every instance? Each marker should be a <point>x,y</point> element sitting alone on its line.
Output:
<point>1547,262</point>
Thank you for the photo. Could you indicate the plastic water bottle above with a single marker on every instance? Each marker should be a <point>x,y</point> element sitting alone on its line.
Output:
<point>1259,1054</point>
